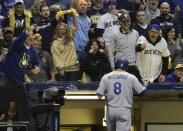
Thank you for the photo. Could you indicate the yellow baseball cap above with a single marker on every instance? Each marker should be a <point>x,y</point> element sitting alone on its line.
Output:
<point>178,66</point>
<point>7,29</point>
<point>37,36</point>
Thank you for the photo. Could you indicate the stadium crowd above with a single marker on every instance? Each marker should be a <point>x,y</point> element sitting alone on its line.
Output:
<point>76,36</point>
<point>67,40</point>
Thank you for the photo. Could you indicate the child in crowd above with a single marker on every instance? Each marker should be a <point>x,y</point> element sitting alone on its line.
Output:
<point>174,46</point>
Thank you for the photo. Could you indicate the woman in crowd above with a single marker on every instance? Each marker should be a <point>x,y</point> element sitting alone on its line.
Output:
<point>174,45</point>
<point>96,63</point>
<point>64,53</point>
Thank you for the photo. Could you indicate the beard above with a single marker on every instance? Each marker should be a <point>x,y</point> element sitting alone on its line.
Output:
<point>154,7</point>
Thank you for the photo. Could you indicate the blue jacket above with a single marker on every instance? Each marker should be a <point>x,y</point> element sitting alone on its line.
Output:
<point>20,60</point>
<point>172,78</point>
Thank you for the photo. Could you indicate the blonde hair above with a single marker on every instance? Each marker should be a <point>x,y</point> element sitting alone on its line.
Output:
<point>67,37</point>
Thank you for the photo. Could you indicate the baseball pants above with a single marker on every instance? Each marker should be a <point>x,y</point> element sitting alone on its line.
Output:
<point>118,119</point>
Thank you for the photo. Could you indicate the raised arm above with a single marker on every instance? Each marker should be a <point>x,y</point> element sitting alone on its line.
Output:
<point>74,22</point>
<point>19,42</point>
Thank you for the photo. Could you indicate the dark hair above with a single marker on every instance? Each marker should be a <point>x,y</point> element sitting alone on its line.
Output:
<point>40,8</point>
<point>166,30</point>
<point>90,42</point>
<point>140,10</point>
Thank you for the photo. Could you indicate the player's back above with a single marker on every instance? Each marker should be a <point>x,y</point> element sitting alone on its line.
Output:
<point>119,86</point>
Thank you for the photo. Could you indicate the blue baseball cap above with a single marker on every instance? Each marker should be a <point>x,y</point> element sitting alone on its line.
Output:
<point>111,2</point>
<point>153,26</point>
<point>122,64</point>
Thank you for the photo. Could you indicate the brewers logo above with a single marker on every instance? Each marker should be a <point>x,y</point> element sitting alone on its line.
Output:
<point>25,61</point>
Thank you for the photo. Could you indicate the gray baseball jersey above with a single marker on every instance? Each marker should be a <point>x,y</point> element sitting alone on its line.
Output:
<point>120,86</point>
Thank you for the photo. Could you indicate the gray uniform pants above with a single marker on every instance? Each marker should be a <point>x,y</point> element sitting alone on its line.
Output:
<point>118,119</point>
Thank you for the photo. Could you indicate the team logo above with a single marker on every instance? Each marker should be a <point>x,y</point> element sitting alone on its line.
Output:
<point>43,60</point>
<point>19,23</point>
<point>95,19</point>
<point>25,61</point>
<point>151,51</point>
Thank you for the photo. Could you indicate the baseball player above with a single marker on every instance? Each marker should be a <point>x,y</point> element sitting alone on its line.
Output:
<point>119,86</point>
<point>152,55</point>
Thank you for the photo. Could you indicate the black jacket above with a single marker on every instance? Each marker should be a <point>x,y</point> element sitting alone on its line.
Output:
<point>96,65</point>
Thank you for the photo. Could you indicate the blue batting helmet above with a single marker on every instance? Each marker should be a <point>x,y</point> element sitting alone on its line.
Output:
<point>122,64</point>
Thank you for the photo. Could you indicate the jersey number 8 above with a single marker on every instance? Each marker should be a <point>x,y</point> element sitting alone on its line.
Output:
<point>117,88</point>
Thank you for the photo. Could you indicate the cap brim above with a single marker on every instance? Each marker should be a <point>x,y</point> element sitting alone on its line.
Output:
<point>8,31</point>
<point>179,68</point>
<point>125,19</point>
